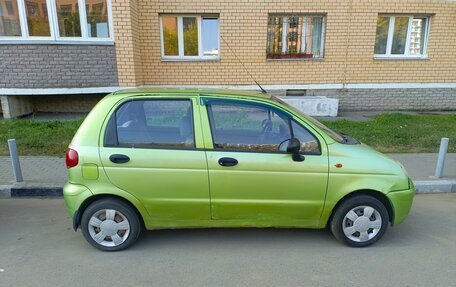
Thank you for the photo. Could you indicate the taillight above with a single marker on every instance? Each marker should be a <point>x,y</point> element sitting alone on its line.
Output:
<point>71,158</point>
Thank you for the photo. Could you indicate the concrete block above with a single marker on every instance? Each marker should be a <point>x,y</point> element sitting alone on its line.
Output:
<point>431,186</point>
<point>314,105</point>
<point>16,106</point>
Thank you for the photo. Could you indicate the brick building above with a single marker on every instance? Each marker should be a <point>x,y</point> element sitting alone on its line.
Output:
<point>64,55</point>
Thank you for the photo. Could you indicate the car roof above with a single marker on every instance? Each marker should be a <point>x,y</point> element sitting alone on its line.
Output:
<point>192,91</point>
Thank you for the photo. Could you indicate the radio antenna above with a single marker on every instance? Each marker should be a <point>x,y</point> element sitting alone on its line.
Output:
<point>242,64</point>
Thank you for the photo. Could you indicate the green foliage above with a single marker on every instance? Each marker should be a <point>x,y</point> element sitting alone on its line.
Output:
<point>38,26</point>
<point>386,133</point>
<point>36,137</point>
<point>70,25</point>
<point>401,133</point>
<point>191,39</point>
<point>170,42</point>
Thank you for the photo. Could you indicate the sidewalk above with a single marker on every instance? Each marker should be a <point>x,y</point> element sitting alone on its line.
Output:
<point>49,173</point>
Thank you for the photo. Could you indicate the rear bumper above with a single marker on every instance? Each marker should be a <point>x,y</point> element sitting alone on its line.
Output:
<point>402,203</point>
<point>74,195</point>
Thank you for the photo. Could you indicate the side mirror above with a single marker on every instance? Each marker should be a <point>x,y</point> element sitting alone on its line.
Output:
<point>294,146</point>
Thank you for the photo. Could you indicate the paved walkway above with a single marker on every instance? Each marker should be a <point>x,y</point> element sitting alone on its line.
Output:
<point>35,169</point>
<point>52,170</point>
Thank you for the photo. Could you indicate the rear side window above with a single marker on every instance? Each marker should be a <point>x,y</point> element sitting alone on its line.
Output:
<point>255,127</point>
<point>152,123</point>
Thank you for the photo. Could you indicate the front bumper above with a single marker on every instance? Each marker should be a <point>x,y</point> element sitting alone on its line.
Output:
<point>402,203</point>
<point>74,195</point>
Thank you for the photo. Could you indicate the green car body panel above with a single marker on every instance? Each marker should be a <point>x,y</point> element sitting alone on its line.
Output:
<point>173,188</point>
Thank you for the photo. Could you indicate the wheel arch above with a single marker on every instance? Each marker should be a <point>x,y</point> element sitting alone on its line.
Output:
<point>370,192</point>
<point>98,197</point>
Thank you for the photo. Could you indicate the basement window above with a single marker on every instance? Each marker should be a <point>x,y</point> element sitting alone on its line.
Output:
<point>55,21</point>
<point>189,37</point>
<point>401,36</point>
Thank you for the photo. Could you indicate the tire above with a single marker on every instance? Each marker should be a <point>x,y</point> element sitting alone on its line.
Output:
<point>350,225</point>
<point>110,224</point>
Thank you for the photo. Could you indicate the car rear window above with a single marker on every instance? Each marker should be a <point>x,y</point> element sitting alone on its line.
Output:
<point>152,123</point>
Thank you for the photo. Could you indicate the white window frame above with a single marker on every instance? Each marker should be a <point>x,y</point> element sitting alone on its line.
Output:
<point>389,42</point>
<point>55,38</point>
<point>180,37</point>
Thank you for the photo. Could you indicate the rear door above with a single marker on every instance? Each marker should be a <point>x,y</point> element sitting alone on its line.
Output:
<point>150,149</point>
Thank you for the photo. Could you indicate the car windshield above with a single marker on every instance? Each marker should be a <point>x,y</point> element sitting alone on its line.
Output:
<point>333,134</point>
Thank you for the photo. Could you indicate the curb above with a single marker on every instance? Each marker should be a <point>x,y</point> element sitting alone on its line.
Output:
<point>435,186</point>
<point>45,190</point>
<point>30,190</point>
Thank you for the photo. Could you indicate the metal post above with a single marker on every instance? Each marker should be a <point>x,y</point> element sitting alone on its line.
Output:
<point>15,160</point>
<point>441,160</point>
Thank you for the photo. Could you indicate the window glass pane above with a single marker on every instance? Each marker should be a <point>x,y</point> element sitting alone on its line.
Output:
<point>294,34</point>
<point>190,36</point>
<point>309,144</point>
<point>160,123</point>
<point>68,17</point>
<point>247,127</point>
<point>170,39</point>
<point>303,39</point>
<point>274,47</point>
<point>37,18</point>
<point>97,18</point>
<point>9,18</point>
<point>418,36</point>
<point>317,34</point>
<point>381,38</point>
<point>400,35</point>
<point>210,35</point>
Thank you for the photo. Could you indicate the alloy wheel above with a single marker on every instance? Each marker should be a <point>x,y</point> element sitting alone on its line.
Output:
<point>109,227</point>
<point>362,223</point>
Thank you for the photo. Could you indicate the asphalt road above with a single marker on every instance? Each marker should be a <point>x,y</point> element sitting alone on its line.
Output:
<point>38,248</point>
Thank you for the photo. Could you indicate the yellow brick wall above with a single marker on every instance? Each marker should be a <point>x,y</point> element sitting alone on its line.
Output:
<point>349,43</point>
<point>126,18</point>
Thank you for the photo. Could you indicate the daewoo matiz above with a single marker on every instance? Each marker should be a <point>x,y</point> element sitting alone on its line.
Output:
<point>204,158</point>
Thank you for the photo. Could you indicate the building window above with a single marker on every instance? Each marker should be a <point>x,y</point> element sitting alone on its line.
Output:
<point>97,18</point>
<point>9,19</point>
<point>68,18</point>
<point>401,36</point>
<point>295,36</point>
<point>189,37</point>
<point>37,18</point>
<point>55,21</point>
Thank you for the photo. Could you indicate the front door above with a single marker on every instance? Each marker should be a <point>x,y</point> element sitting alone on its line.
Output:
<point>250,178</point>
<point>150,150</point>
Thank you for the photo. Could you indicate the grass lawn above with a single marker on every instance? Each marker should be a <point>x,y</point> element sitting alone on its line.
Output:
<point>392,133</point>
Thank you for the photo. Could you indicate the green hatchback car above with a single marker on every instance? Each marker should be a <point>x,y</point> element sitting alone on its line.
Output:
<point>154,159</point>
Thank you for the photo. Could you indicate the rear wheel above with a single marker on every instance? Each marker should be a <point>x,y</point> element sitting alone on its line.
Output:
<point>360,221</point>
<point>110,225</point>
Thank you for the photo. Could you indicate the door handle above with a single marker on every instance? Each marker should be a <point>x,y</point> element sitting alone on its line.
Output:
<point>227,161</point>
<point>119,158</point>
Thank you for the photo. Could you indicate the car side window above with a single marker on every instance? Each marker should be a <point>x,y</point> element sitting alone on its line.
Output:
<point>247,127</point>
<point>155,123</point>
<point>253,127</point>
<point>309,143</point>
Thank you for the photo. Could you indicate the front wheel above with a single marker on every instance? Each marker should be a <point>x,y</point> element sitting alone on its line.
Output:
<point>360,221</point>
<point>110,225</point>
